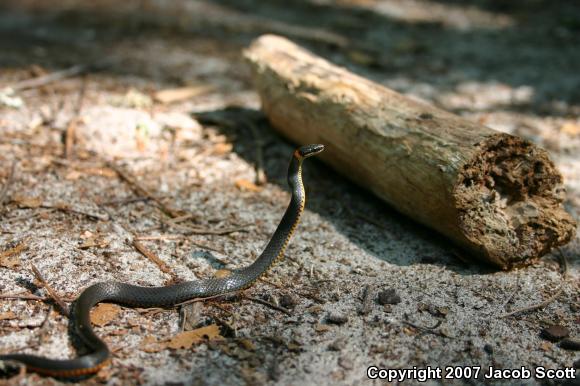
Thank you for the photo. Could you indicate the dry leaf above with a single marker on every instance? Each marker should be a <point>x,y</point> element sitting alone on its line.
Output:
<point>179,94</point>
<point>9,258</point>
<point>103,313</point>
<point>243,184</point>
<point>9,315</point>
<point>27,202</point>
<point>187,339</point>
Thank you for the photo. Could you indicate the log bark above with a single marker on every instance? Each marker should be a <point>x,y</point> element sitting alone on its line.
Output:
<point>496,195</point>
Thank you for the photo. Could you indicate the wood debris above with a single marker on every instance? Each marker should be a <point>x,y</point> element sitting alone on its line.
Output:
<point>180,94</point>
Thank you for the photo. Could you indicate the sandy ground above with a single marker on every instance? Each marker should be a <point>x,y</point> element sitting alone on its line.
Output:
<point>512,66</point>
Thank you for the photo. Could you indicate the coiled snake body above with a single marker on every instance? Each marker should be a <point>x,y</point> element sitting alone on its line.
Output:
<point>138,296</point>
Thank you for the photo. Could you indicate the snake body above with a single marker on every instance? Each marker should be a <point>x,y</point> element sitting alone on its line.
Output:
<point>138,296</point>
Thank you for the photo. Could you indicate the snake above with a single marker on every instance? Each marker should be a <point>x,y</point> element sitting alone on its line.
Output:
<point>140,296</point>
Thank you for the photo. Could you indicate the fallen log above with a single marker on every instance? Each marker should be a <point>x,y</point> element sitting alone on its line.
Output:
<point>496,195</point>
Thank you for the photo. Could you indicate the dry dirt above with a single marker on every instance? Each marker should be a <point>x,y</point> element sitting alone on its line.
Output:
<point>510,65</point>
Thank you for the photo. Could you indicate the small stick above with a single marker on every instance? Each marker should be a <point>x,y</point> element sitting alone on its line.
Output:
<point>195,300</point>
<point>32,297</point>
<point>52,77</point>
<point>429,330</point>
<point>67,209</point>
<point>270,283</point>
<point>154,259</point>
<point>259,167</point>
<point>125,201</point>
<point>160,237</point>
<point>63,307</point>
<point>73,123</point>
<point>208,247</point>
<point>29,216</point>
<point>4,192</point>
<point>207,231</point>
<point>23,297</point>
<point>533,307</point>
<point>268,304</point>
<point>536,306</point>
<point>139,189</point>
<point>220,307</point>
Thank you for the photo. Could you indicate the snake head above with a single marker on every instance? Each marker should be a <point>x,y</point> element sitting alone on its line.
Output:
<point>308,150</point>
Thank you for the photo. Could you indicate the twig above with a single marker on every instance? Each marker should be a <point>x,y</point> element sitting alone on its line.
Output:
<point>208,247</point>
<point>29,215</point>
<point>154,259</point>
<point>4,192</point>
<point>207,231</point>
<point>429,330</point>
<point>533,307</point>
<point>23,297</point>
<point>180,237</point>
<point>122,201</point>
<point>141,190</point>
<point>32,297</point>
<point>68,209</point>
<point>63,307</point>
<point>270,283</point>
<point>52,77</point>
<point>220,307</point>
<point>259,167</point>
<point>160,237</point>
<point>268,304</point>
<point>38,325</point>
<point>73,123</point>
<point>195,300</point>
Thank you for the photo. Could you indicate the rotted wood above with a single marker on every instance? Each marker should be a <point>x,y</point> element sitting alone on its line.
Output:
<point>496,195</point>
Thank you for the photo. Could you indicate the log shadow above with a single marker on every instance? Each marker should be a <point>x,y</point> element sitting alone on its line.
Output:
<point>371,224</point>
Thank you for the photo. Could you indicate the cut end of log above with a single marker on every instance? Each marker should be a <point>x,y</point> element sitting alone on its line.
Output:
<point>509,198</point>
<point>497,195</point>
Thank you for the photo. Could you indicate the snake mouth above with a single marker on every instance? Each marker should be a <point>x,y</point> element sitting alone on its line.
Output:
<point>310,150</point>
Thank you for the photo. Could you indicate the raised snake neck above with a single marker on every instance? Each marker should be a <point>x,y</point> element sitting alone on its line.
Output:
<point>139,296</point>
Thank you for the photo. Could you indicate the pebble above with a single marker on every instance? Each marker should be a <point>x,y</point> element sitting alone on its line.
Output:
<point>346,363</point>
<point>288,301</point>
<point>336,318</point>
<point>555,333</point>
<point>338,345</point>
<point>488,348</point>
<point>388,296</point>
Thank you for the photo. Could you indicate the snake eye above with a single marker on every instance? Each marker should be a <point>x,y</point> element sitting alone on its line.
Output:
<point>310,150</point>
